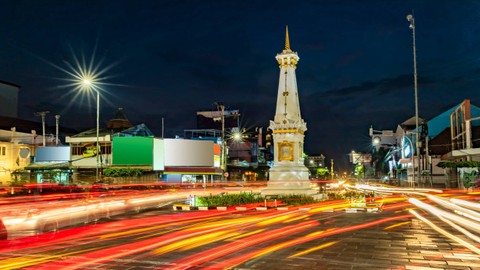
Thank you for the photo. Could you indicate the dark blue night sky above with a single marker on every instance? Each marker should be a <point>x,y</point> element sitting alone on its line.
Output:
<point>172,58</point>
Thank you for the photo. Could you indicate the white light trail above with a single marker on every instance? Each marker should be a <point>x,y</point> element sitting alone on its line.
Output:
<point>455,218</point>
<point>445,233</point>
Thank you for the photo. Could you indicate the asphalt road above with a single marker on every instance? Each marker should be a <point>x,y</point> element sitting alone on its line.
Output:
<point>322,236</point>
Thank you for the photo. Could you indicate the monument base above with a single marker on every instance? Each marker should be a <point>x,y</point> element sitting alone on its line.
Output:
<point>285,180</point>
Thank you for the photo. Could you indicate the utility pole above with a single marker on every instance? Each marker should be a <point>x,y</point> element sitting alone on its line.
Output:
<point>221,108</point>
<point>42,114</point>
<point>163,127</point>
<point>57,120</point>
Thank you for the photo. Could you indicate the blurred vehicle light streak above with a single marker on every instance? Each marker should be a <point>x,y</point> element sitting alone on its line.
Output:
<point>465,212</point>
<point>240,244</point>
<point>447,234</point>
<point>467,204</point>
<point>196,241</point>
<point>229,263</point>
<point>313,249</point>
<point>437,212</point>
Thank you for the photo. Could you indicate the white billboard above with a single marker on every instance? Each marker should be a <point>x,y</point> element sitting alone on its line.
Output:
<point>360,157</point>
<point>158,157</point>
<point>188,153</point>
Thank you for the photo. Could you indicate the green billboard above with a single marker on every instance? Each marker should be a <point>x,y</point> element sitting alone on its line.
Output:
<point>132,151</point>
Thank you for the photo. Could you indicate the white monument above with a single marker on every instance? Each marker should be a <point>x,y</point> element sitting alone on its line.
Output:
<point>288,174</point>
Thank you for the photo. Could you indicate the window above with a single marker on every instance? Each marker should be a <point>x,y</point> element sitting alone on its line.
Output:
<point>79,149</point>
<point>3,150</point>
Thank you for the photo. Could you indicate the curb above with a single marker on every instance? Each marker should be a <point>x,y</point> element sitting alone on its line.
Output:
<point>186,207</point>
<point>362,209</point>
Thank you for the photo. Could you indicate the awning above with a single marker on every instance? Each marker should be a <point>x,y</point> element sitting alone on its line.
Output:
<point>193,170</point>
<point>141,167</point>
<point>48,166</point>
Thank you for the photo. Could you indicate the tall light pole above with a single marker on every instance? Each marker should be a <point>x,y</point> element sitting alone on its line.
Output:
<point>88,85</point>
<point>411,19</point>
<point>221,108</point>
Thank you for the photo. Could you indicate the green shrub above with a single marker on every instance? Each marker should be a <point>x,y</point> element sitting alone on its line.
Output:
<point>122,172</point>
<point>334,196</point>
<point>229,199</point>
<point>346,195</point>
<point>296,199</point>
<point>250,198</point>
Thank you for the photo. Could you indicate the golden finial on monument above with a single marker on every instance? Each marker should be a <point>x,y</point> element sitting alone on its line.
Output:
<point>287,41</point>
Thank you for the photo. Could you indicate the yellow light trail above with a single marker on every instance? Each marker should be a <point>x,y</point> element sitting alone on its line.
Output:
<point>329,207</point>
<point>245,234</point>
<point>276,220</point>
<point>397,225</point>
<point>132,231</point>
<point>195,242</point>
<point>313,249</point>
<point>223,223</point>
<point>26,261</point>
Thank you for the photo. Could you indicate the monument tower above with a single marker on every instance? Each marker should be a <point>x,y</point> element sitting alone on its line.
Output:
<point>288,174</point>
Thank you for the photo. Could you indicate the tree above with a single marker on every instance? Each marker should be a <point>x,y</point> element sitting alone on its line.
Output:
<point>322,173</point>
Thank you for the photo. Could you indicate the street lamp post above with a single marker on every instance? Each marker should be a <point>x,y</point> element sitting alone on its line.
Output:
<point>98,133</point>
<point>411,19</point>
<point>87,83</point>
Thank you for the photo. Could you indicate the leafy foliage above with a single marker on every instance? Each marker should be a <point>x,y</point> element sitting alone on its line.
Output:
<point>122,172</point>
<point>296,199</point>
<point>322,173</point>
<point>348,195</point>
<point>19,177</point>
<point>459,164</point>
<point>229,199</point>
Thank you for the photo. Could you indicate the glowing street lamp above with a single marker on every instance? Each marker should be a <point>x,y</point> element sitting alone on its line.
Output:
<point>236,135</point>
<point>376,141</point>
